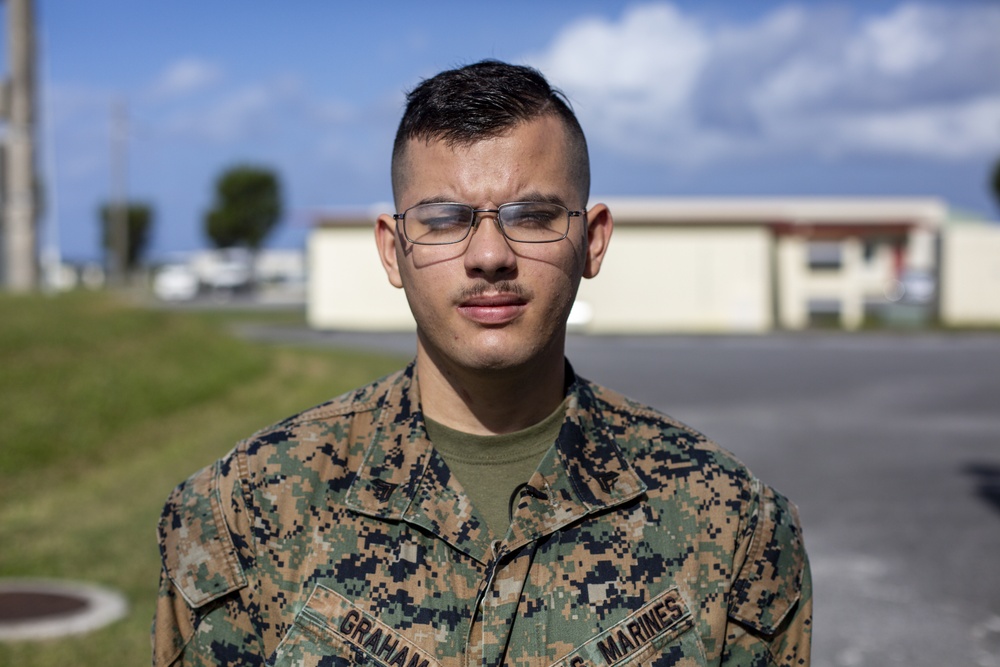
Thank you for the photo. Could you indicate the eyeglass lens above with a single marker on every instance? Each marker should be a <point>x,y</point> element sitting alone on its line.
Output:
<point>527,222</point>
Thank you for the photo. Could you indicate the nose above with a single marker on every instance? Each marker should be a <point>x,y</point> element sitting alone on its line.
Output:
<point>489,253</point>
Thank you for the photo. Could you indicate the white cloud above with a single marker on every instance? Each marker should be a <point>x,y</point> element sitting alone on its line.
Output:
<point>623,73</point>
<point>279,108</point>
<point>234,115</point>
<point>921,79</point>
<point>900,44</point>
<point>184,77</point>
<point>943,130</point>
<point>579,58</point>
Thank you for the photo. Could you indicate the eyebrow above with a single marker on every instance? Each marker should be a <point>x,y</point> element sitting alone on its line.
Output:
<point>535,195</point>
<point>435,200</point>
<point>531,196</point>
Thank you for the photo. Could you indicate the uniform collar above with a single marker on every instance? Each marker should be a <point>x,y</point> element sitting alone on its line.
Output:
<point>402,478</point>
<point>586,472</point>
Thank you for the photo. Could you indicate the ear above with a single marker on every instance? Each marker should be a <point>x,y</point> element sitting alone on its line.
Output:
<point>600,224</point>
<point>385,241</point>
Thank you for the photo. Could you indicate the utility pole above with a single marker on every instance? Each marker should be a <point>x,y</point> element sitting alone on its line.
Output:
<point>118,215</point>
<point>20,208</point>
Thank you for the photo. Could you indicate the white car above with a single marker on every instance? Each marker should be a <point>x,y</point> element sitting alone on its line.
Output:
<point>175,282</point>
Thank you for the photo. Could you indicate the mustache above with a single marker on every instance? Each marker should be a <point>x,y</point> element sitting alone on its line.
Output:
<point>501,287</point>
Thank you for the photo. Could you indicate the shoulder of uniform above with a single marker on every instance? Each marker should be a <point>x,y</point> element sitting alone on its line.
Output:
<point>640,427</point>
<point>324,416</point>
<point>669,455</point>
<point>197,543</point>
<point>623,408</point>
<point>363,399</point>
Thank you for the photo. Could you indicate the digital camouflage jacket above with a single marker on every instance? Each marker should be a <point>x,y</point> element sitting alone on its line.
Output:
<point>339,537</point>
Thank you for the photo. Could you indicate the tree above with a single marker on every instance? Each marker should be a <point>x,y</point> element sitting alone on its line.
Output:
<point>247,207</point>
<point>138,224</point>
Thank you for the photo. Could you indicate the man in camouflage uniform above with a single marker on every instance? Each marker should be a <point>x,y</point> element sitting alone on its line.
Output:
<point>353,533</point>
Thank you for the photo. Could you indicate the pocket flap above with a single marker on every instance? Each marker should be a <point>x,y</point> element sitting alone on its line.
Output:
<point>770,582</point>
<point>195,543</point>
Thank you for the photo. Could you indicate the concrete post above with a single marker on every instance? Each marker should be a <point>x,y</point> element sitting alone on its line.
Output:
<point>852,302</point>
<point>118,222</point>
<point>20,209</point>
<point>793,313</point>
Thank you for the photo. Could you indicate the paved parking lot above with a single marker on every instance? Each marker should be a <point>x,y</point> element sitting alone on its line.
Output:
<point>889,444</point>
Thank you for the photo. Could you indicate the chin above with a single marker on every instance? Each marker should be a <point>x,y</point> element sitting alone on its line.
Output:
<point>494,360</point>
<point>500,349</point>
<point>491,354</point>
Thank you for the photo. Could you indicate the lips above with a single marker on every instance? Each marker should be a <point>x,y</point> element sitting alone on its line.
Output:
<point>492,309</point>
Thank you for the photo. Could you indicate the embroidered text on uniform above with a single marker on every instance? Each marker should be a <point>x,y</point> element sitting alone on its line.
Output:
<point>642,629</point>
<point>382,645</point>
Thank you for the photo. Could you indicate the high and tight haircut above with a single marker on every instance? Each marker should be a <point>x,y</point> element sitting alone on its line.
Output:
<point>482,101</point>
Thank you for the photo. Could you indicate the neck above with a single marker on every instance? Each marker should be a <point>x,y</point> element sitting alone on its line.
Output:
<point>490,401</point>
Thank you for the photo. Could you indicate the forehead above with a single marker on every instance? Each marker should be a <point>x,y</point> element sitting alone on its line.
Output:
<point>532,157</point>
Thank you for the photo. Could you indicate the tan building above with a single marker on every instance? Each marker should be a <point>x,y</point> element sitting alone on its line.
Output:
<point>347,288</point>
<point>970,274</point>
<point>684,265</point>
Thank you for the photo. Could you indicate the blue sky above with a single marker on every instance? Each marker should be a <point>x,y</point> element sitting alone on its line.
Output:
<point>872,97</point>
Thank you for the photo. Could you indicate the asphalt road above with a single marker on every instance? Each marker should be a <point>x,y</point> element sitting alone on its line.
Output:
<point>890,446</point>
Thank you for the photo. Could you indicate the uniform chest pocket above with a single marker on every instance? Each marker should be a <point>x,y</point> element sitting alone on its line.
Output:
<point>659,634</point>
<point>330,631</point>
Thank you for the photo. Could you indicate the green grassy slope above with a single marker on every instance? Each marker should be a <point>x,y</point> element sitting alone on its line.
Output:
<point>103,409</point>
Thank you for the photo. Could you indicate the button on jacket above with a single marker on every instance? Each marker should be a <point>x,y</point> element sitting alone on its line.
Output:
<point>339,537</point>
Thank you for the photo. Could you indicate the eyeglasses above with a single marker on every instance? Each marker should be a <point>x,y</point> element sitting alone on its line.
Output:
<point>523,222</point>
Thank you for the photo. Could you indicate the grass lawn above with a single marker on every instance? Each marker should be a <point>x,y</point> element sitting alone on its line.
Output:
<point>104,407</point>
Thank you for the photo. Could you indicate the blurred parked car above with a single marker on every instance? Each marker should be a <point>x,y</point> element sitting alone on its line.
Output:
<point>230,275</point>
<point>917,286</point>
<point>175,282</point>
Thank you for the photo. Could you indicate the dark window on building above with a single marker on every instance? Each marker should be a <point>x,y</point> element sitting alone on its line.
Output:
<point>824,255</point>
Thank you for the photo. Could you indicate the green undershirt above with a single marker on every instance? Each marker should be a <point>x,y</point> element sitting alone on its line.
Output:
<point>491,467</point>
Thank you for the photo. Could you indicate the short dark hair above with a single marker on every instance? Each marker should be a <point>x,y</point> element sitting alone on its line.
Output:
<point>481,101</point>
